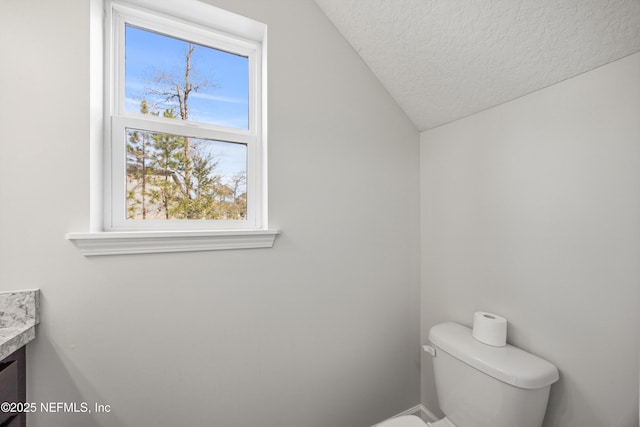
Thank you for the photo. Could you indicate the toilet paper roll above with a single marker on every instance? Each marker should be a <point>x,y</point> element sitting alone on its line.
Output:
<point>489,328</point>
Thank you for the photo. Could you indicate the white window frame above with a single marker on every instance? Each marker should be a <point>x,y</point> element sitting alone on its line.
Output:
<point>111,232</point>
<point>115,190</point>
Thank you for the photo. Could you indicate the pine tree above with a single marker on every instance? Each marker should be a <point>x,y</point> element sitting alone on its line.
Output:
<point>138,159</point>
<point>165,164</point>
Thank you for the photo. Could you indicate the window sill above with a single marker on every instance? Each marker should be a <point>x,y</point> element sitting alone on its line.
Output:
<point>145,242</point>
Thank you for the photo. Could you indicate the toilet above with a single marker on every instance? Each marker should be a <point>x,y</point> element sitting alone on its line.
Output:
<point>483,386</point>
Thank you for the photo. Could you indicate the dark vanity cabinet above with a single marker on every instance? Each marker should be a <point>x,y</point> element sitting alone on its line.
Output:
<point>13,388</point>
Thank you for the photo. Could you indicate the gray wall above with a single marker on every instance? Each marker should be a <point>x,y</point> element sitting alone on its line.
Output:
<point>532,210</point>
<point>322,330</point>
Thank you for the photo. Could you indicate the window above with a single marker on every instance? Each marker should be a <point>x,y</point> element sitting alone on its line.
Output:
<point>182,155</point>
<point>185,126</point>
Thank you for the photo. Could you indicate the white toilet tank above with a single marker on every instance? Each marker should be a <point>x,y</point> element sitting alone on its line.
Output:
<point>483,386</point>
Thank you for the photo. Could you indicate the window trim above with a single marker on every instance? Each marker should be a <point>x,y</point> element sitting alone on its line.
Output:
<point>102,239</point>
<point>147,242</point>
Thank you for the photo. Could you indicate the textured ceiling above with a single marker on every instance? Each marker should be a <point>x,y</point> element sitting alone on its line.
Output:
<point>446,59</point>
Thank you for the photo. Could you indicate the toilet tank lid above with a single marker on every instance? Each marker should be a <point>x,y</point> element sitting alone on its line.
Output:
<point>507,364</point>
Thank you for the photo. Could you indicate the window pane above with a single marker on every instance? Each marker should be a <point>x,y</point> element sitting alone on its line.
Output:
<point>184,80</point>
<point>175,177</point>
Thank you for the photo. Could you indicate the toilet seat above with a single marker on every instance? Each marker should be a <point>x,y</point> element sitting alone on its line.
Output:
<point>442,423</point>
<point>403,421</point>
<point>413,421</point>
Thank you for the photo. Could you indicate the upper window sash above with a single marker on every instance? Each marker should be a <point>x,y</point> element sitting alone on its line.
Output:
<point>125,15</point>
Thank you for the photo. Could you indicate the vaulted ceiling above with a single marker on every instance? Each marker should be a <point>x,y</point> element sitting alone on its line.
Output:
<point>446,59</point>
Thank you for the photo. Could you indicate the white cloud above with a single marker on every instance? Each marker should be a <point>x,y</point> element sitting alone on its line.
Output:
<point>218,98</point>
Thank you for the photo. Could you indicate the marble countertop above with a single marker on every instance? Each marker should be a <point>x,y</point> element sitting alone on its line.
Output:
<point>19,315</point>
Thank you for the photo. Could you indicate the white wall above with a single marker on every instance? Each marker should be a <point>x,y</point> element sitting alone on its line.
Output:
<point>532,210</point>
<point>320,331</point>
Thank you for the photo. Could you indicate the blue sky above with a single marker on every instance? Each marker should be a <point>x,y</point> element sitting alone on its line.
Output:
<point>223,101</point>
